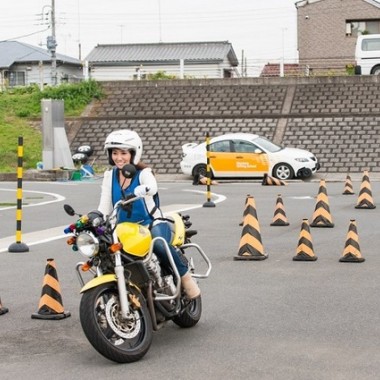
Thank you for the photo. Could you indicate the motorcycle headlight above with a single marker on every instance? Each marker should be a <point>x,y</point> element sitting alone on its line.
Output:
<point>88,244</point>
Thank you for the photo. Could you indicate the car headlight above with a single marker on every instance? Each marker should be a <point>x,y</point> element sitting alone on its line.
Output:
<point>303,159</point>
<point>88,244</point>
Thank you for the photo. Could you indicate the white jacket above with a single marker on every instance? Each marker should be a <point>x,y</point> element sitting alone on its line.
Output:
<point>146,179</point>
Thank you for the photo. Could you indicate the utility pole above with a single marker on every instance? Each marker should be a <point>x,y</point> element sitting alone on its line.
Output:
<point>51,45</point>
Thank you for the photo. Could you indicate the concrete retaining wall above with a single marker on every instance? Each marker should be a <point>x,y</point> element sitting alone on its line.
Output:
<point>337,118</point>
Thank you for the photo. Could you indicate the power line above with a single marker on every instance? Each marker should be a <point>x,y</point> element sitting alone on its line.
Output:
<point>26,35</point>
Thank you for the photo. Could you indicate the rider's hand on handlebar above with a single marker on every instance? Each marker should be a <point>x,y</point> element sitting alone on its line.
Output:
<point>141,191</point>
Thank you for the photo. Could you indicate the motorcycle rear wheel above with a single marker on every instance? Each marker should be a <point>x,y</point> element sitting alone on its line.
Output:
<point>122,341</point>
<point>190,314</point>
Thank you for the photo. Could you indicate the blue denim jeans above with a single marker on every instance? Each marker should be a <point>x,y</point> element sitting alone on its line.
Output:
<point>163,230</point>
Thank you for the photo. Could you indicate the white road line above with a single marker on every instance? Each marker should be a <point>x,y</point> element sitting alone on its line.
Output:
<point>58,198</point>
<point>55,233</point>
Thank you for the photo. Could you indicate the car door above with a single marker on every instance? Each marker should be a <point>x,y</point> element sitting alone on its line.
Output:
<point>237,158</point>
<point>222,159</point>
<point>250,160</point>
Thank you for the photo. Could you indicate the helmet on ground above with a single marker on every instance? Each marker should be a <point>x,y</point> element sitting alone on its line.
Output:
<point>124,139</point>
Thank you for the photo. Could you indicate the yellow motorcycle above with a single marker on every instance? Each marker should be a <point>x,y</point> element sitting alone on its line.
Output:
<point>129,294</point>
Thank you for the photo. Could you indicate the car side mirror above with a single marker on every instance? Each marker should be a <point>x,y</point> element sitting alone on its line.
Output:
<point>258,151</point>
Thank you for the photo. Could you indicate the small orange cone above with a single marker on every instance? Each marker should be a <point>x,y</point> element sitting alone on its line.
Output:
<point>3,309</point>
<point>322,216</point>
<point>351,253</point>
<point>251,247</point>
<point>348,190</point>
<point>365,194</point>
<point>271,181</point>
<point>50,306</point>
<point>279,217</point>
<point>305,250</point>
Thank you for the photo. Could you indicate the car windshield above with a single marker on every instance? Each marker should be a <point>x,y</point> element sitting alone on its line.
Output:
<point>267,145</point>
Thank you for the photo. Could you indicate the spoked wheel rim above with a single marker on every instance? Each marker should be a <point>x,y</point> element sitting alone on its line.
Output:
<point>283,172</point>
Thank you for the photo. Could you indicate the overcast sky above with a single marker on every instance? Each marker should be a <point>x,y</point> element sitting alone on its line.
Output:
<point>264,29</point>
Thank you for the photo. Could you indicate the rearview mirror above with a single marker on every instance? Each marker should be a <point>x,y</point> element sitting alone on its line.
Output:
<point>128,170</point>
<point>69,210</point>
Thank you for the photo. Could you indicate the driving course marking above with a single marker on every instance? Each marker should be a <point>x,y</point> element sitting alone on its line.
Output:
<point>58,198</point>
<point>34,238</point>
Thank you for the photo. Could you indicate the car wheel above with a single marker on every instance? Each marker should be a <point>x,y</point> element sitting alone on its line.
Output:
<point>376,70</point>
<point>200,170</point>
<point>283,171</point>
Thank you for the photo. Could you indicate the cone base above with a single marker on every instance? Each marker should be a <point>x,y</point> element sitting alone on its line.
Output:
<point>3,310</point>
<point>209,204</point>
<point>279,224</point>
<point>304,257</point>
<point>250,257</point>
<point>63,315</point>
<point>351,259</point>
<point>348,193</point>
<point>365,206</point>
<point>322,225</point>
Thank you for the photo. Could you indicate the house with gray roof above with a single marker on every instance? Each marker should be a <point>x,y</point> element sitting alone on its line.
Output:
<point>23,64</point>
<point>215,59</point>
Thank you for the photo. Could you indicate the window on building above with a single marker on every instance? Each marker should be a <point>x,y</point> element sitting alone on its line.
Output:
<point>355,28</point>
<point>16,78</point>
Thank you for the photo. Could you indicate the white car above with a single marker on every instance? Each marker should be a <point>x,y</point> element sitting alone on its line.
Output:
<point>247,155</point>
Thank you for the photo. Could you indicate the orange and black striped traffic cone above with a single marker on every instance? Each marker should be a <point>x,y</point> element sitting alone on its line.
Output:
<point>50,306</point>
<point>365,199</point>
<point>3,309</point>
<point>251,247</point>
<point>351,253</point>
<point>245,205</point>
<point>279,217</point>
<point>305,251</point>
<point>271,181</point>
<point>322,216</point>
<point>348,189</point>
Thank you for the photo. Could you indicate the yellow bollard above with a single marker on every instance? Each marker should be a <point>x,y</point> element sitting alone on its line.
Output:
<point>209,202</point>
<point>18,246</point>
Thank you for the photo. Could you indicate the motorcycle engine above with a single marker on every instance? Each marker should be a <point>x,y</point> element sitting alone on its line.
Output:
<point>163,284</point>
<point>154,270</point>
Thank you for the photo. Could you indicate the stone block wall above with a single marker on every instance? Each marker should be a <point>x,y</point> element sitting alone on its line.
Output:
<point>345,98</point>
<point>162,139</point>
<point>338,119</point>
<point>342,144</point>
<point>191,100</point>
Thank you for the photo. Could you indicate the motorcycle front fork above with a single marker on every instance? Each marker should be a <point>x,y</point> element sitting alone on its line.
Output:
<point>121,286</point>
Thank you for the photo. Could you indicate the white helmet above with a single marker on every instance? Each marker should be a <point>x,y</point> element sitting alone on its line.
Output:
<point>124,139</point>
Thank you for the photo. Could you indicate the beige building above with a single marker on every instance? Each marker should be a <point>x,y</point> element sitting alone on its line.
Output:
<point>327,30</point>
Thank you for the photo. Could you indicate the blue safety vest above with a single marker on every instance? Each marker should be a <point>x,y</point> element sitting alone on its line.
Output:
<point>139,212</point>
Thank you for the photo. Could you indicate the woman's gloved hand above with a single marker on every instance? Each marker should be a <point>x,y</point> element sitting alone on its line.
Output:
<point>141,191</point>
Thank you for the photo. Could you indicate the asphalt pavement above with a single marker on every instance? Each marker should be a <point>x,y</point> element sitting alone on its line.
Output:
<point>269,319</point>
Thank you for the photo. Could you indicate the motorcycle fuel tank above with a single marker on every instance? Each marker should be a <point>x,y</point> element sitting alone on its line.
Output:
<point>135,238</point>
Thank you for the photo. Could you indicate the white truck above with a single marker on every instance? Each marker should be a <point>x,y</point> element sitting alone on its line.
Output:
<point>367,54</point>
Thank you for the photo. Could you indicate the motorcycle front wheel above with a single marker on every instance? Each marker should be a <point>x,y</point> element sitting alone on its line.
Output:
<point>120,340</point>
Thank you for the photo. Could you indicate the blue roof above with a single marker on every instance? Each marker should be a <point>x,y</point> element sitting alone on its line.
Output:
<point>12,52</point>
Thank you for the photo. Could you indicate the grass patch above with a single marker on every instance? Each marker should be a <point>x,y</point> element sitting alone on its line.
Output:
<point>18,104</point>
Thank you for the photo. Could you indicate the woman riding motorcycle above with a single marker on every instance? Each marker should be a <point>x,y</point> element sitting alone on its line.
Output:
<point>125,147</point>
